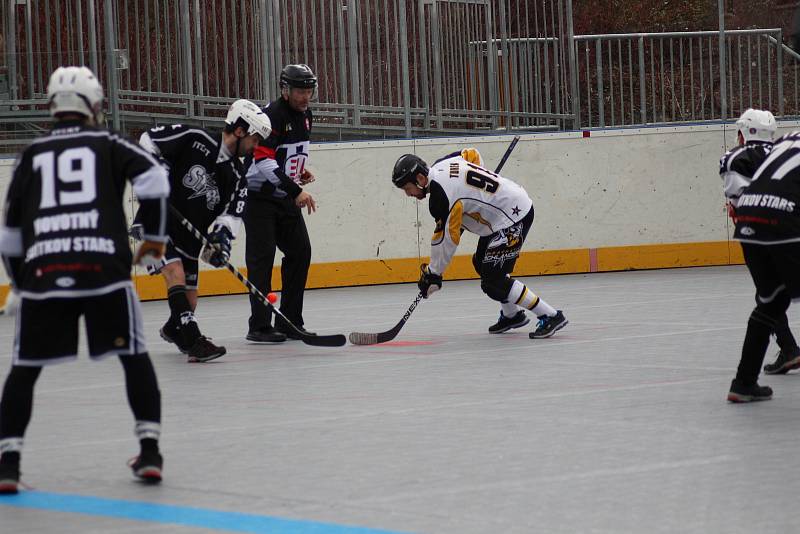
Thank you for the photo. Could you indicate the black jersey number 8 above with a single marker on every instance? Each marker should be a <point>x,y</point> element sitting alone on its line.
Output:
<point>481,181</point>
<point>74,165</point>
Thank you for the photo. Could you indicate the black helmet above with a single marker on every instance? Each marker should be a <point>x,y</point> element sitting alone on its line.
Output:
<point>406,169</point>
<point>298,76</point>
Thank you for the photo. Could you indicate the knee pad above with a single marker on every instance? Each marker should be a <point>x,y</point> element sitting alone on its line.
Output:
<point>497,288</point>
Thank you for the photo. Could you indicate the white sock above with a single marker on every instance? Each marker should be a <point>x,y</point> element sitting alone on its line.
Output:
<point>508,309</point>
<point>543,308</point>
<point>523,297</point>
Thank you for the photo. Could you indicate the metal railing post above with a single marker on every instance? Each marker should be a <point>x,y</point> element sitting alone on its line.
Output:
<point>188,87</point>
<point>111,63</point>
<point>266,49</point>
<point>403,36</point>
<point>642,89</point>
<point>723,64</point>
<point>355,85</point>
<point>91,12</point>
<point>779,58</point>
<point>11,48</point>
<point>598,60</point>
<point>573,67</point>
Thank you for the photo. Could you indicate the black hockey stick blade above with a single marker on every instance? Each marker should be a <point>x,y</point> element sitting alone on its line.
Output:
<point>333,340</point>
<point>362,338</point>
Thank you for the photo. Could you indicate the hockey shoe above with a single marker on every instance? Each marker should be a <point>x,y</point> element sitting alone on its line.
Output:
<point>170,334</point>
<point>740,392</point>
<point>147,467</point>
<point>504,323</point>
<point>284,328</point>
<point>9,478</point>
<point>547,326</point>
<point>783,364</point>
<point>265,335</point>
<point>204,350</point>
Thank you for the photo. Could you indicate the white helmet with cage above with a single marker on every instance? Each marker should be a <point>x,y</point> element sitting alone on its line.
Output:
<point>75,90</point>
<point>244,113</point>
<point>757,125</point>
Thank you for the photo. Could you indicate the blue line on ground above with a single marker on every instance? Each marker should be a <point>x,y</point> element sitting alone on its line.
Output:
<point>172,514</point>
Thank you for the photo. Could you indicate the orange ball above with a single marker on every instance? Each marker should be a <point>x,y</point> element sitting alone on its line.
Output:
<point>272,298</point>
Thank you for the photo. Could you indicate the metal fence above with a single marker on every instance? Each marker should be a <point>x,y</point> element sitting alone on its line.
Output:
<point>386,67</point>
<point>647,78</point>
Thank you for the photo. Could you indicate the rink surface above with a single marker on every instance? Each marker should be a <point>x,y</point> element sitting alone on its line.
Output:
<point>618,424</point>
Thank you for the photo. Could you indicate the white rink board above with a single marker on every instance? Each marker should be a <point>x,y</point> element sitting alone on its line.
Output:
<point>614,188</point>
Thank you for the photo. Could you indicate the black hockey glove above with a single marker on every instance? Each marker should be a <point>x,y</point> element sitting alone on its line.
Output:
<point>429,283</point>
<point>136,231</point>
<point>220,251</point>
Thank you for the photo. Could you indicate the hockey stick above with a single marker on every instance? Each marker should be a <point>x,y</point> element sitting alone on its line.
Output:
<point>362,338</point>
<point>508,153</point>
<point>334,340</point>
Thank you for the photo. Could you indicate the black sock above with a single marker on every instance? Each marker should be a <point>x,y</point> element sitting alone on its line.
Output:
<point>149,445</point>
<point>181,314</point>
<point>10,458</point>
<point>756,340</point>
<point>16,406</point>
<point>785,338</point>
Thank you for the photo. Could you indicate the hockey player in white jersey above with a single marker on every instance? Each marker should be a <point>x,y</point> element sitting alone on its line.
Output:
<point>466,196</point>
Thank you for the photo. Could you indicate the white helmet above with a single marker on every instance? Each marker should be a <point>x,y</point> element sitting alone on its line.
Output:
<point>74,90</point>
<point>757,125</point>
<point>250,117</point>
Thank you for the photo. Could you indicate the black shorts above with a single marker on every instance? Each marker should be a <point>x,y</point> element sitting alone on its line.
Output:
<point>774,268</point>
<point>47,328</point>
<point>191,265</point>
<point>497,253</point>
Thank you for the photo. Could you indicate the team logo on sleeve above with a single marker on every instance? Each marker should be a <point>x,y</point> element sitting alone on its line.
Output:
<point>199,181</point>
<point>295,164</point>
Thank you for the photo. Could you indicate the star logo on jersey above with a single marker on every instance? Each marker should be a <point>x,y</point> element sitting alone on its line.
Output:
<point>199,181</point>
<point>516,210</point>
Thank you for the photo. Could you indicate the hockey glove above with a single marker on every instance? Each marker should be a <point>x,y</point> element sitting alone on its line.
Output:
<point>219,252</point>
<point>149,254</point>
<point>136,231</point>
<point>429,282</point>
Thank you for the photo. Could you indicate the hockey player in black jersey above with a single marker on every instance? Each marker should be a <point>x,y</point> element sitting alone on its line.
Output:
<point>755,135</point>
<point>275,202</point>
<point>65,247</point>
<point>768,227</point>
<point>466,196</point>
<point>209,189</point>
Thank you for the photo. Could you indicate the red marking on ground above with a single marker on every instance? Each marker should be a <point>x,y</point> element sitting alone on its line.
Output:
<point>405,343</point>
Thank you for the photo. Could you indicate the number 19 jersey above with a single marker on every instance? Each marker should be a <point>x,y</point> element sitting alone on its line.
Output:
<point>465,195</point>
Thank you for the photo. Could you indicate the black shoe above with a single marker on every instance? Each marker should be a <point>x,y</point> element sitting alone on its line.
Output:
<point>170,334</point>
<point>291,333</point>
<point>548,326</point>
<point>783,364</point>
<point>504,323</point>
<point>147,467</point>
<point>265,335</point>
<point>204,350</point>
<point>9,478</point>
<point>748,392</point>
